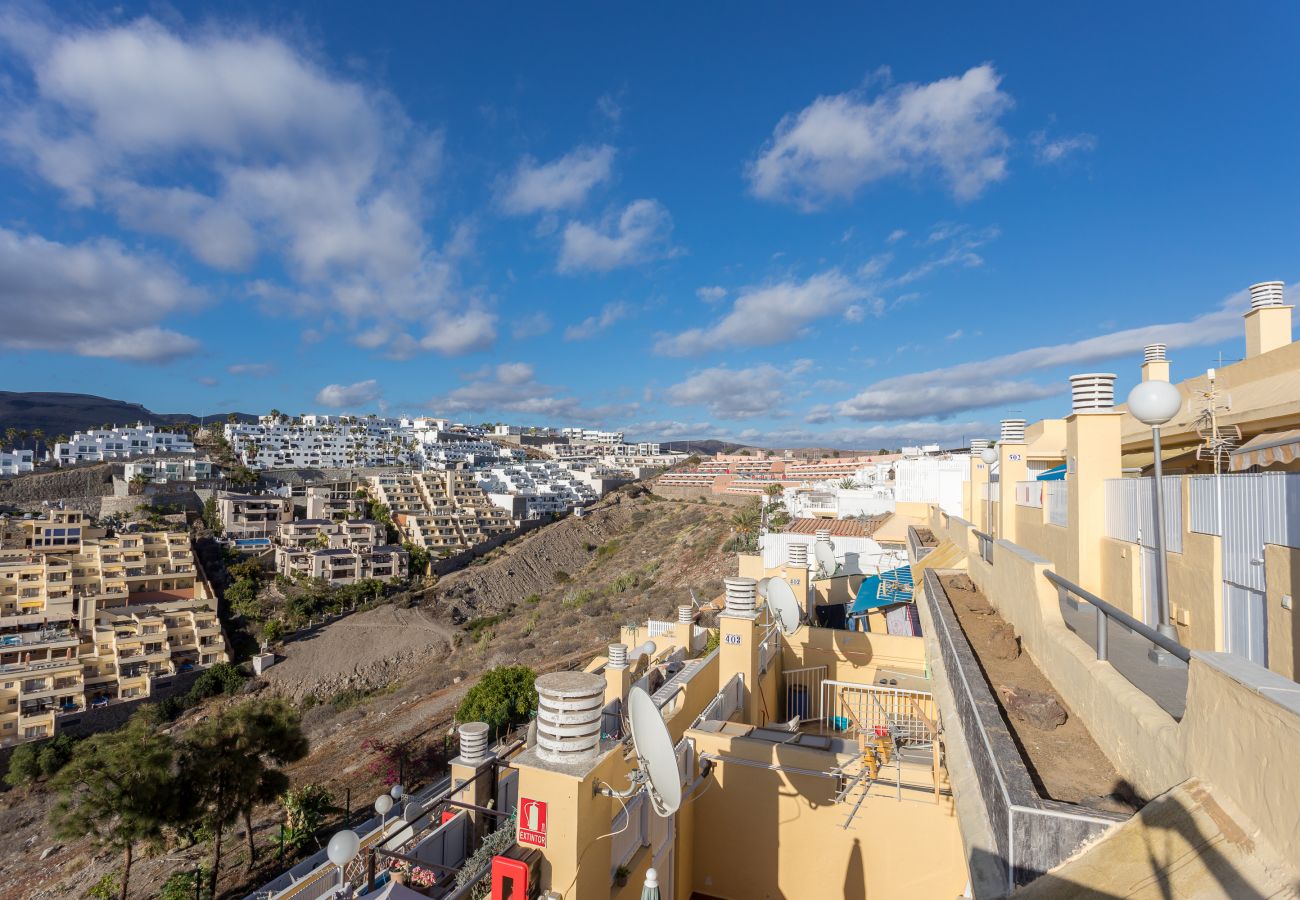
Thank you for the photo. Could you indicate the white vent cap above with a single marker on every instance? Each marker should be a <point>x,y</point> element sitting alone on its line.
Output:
<point>1154,353</point>
<point>1267,293</point>
<point>978,444</point>
<point>685,614</point>
<point>797,554</point>
<point>473,741</point>
<point>742,594</point>
<point>569,706</point>
<point>618,656</point>
<point>1092,392</point>
<point>1013,431</point>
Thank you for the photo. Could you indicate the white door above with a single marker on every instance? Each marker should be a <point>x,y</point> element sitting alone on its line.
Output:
<point>1150,608</point>
<point>1245,623</point>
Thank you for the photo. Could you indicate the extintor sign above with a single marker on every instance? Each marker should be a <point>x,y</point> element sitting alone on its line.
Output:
<point>532,822</point>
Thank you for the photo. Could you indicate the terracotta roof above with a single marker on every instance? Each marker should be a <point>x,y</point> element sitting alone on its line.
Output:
<point>838,527</point>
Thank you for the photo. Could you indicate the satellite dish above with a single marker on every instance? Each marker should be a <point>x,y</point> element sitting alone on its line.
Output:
<point>783,605</point>
<point>825,558</point>
<point>654,751</point>
<point>762,587</point>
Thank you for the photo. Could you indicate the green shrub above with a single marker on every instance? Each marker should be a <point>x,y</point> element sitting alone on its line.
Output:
<point>181,886</point>
<point>561,577</point>
<point>223,678</point>
<point>533,598</point>
<point>607,550</point>
<point>503,697</point>
<point>39,760</point>
<point>105,889</point>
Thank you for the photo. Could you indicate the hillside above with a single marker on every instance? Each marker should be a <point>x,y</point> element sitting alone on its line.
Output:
<point>395,675</point>
<point>58,413</point>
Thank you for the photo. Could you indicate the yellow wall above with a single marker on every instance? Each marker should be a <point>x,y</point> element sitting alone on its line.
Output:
<point>1045,539</point>
<point>761,833</point>
<point>1282,571</point>
<point>1195,590</point>
<point>852,655</point>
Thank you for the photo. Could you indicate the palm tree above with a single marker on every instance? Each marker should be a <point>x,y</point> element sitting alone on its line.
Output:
<point>11,437</point>
<point>848,484</point>
<point>745,521</point>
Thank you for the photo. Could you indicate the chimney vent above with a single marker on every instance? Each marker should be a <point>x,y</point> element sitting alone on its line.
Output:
<point>978,444</point>
<point>823,534</point>
<point>1093,392</point>
<point>1267,293</point>
<point>1013,431</point>
<point>618,656</point>
<point>473,741</point>
<point>1154,353</point>
<point>569,708</point>
<point>741,596</point>
<point>686,614</point>
<point>797,555</point>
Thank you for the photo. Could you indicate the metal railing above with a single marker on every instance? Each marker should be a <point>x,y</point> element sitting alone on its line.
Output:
<point>803,693</point>
<point>1131,647</point>
<point>908,715</point>
<point>770,646</point>
<point>986,546</point>
<point>724,705</point>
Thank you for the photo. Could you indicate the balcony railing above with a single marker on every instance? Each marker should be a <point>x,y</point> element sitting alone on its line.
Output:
<point>1153,663</point>
<point>986,546</point>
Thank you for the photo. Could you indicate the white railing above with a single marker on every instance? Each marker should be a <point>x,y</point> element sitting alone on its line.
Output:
<point>1130,511</point>
<point>907,715</point>
<point>699,637</point>
<point>658,628</point>
<point>1029,493</point>
<point>1056,497</point>
<point>724,705</point>
<point>803,693</point>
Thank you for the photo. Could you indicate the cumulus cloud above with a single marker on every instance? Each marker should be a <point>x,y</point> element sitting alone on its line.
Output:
<point>1049,150</point>
<point>455,334</point>
<point>256,370</point>
<point>711,294</point>
<point>591,326</point>
<point>838,144</point>
<point>669,429</point>
<point>770,314</point>
<point>177,134</point>
<point>92,299</point>
<point>349,396</point>
<point>560,184</point>
<point>639,233</point>
<point>732,393</point>
<point>1000,380</point>
<point>513,387</point>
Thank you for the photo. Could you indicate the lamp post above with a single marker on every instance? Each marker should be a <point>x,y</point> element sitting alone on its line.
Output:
<point>989,456</point>
<point>397,792</point>
<point>383,804</point>
<point>342,849</point>
<point>1154,403</point>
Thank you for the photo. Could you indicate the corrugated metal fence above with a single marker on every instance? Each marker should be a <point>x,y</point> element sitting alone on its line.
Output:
<point>1130,511</point>
<point>1258,509</point>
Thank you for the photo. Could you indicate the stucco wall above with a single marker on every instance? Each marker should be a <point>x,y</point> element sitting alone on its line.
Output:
<point>1282,571</point>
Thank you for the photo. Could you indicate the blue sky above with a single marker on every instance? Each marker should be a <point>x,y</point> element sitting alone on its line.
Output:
<point>856,228</point>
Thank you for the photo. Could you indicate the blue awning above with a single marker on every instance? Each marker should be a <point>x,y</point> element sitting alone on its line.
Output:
<point>1054,474</point>
<point>876,591</point>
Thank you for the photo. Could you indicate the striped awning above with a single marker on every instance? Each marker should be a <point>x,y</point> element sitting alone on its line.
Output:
<point>1266,450</point>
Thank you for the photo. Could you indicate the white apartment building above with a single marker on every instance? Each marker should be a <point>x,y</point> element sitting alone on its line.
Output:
<point>338,552</point>
<point>166,470</point>
<point>101,444</point>
<point>591,436</point>
<point>16,462</point>
<point>543,487</point>
<point>322,442</point>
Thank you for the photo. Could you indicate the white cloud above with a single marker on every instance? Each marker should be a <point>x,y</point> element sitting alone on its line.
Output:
<point>560,184</point>
<point>238,146</point>
<point>869,438</point>
<point>769,314</point>
<point>255,370</point>
<point>711,294</point>
<point>840,143</point>
<point>593,325</point>
<point>349,396</point>
<point>610,106</point>
<point>1000,380</point>
<point>455,334</point>
<point>1054,150</point>
<point>513,388</point>
<point>207,381</point>
<point>732,393</point>
<point>92,299</point>
<point>895,236</point>
<point>640,233</point>
<point>670,429</point>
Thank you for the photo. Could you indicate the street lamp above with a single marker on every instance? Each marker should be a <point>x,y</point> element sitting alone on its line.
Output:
<point>397,792</point>
<point>383,804</point>
<point>1154,403</point>
<point>342,849</point>
<point>989,456</point>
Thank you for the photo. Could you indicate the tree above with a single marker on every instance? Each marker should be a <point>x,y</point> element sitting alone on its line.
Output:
<point>504,697</point>
<point>848,484</point>
<point>305,809</point>
<point>232,418</point>
<point>118,790</point>
<point>418,560</point>
<point>230,764</point>
<point>774,490</point>
<point>744,521</point>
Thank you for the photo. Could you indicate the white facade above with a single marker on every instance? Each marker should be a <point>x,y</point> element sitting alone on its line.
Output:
<point>545,486</point>
<point>932,479</point>
<point>101,444</point>
<point>162,470</point>
<point>591,436</point>
<point>16,462</point>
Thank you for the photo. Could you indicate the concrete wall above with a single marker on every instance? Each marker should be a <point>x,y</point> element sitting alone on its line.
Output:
<point>698,492</point>
<point>1282,574</point>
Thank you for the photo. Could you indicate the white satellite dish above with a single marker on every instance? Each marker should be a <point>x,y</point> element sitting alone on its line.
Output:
<point>783,605</point>
<point>825,558</point>
<point>762,587</point>
<point>655,752</point>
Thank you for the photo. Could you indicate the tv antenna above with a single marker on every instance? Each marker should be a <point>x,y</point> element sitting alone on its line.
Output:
<point>656,757</point>
<point>1217,441</point>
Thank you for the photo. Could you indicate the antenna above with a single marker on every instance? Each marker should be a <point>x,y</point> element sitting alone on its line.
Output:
<point>655,753</point>
<point>825,558</point>
<point>784,606</point>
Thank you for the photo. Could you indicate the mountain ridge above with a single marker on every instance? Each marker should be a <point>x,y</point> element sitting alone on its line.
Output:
<point>57,412</point>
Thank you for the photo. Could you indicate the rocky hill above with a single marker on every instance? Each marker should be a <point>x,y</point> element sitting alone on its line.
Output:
<point>57,413</point>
